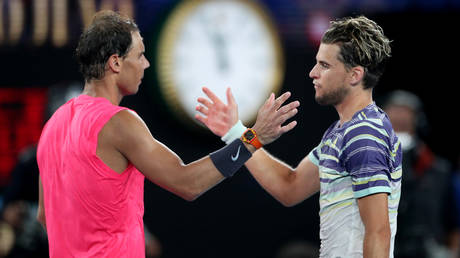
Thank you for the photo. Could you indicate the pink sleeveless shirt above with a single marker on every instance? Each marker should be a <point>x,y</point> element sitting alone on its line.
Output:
<point>91,210</point>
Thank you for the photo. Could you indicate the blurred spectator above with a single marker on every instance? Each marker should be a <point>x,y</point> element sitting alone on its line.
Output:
<point>152,245</point>
<point>426,215</point>
<point>21,235</point>
<point>6,239</point>
<point>298,249</point>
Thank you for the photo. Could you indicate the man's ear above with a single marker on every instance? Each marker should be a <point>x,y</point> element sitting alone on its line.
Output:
<point>114,63</point>
<point>357,75</point>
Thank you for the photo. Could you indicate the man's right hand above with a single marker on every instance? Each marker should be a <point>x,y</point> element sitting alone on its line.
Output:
<point>219,118</point>
<point>271,117</point>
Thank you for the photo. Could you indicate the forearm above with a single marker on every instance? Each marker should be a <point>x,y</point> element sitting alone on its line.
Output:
<point>227,161</point>
<point>191,180</point>
<point>198,177</point>
<point>287,185</point>
<point>188,181</point>
<point>273,175</point>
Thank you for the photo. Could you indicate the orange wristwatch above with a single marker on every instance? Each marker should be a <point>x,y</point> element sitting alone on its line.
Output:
<point>250,136</point>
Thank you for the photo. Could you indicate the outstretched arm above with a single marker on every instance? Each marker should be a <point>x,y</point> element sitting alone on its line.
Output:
<point>288,185</point>
<point>132,138</point>
<point>128,134</point>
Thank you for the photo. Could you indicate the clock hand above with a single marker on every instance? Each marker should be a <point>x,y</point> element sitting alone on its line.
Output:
<point>218,42</point>
<point>221,51</point>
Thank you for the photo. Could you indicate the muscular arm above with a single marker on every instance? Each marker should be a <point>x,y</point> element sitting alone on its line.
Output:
<point>374,214</point>
<point>289,186</point>
<point>131,137</point>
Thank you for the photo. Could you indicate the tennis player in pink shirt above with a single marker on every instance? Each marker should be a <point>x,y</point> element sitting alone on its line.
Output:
<point>93,155</point>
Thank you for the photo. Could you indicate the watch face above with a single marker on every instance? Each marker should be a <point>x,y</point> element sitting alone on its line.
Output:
<point>249,135</point>
<point>219,44</point>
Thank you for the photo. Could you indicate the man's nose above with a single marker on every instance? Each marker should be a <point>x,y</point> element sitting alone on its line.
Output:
<point>313,73</point>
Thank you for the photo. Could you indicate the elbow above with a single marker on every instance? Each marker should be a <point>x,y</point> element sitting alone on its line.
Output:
<point>377,243</point>
<point>190,197</point>
<point>384,233</point>
<point>382,236</point>
<point>184,190</point>
<point>291,198</point>
<point>190,193</point>
<point>287,202</point>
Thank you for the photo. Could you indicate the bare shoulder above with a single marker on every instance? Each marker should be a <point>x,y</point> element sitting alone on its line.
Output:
<point>126,123</point>
<point>124,129</point>
<point>125,119</point>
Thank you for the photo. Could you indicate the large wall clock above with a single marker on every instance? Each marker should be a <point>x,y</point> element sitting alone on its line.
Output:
<point>219,44</point>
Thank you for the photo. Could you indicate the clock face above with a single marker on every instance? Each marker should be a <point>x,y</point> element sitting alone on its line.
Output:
<point>219,44</point>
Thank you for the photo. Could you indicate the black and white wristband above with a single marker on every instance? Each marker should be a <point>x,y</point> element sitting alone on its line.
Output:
<point>229,159</point>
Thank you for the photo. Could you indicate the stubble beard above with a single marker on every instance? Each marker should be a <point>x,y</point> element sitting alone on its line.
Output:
<point>333,98</point>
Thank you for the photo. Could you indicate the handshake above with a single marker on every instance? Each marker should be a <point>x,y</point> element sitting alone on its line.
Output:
<point>222,119</point>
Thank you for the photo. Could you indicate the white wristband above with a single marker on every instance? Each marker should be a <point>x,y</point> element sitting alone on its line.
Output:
<point>234,133</point>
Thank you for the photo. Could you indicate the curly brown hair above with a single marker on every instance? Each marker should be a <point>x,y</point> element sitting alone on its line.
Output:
<point>108,34</point>
<point>362,43</point>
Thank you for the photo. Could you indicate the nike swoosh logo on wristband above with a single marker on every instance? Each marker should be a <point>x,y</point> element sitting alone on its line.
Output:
<point>234,158</point>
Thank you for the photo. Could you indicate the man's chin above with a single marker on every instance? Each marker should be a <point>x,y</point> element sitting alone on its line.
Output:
<point>321,101</point>
<point>331,99</point>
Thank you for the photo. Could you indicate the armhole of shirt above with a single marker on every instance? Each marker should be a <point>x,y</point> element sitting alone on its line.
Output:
<point>97,129</point>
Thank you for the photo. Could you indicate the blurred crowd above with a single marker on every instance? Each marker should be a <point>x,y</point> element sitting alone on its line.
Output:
<point>428,218</point>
